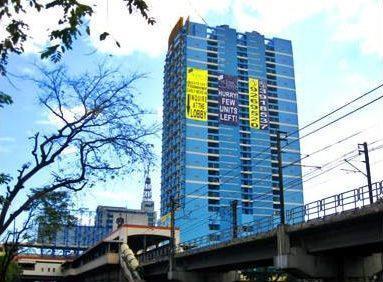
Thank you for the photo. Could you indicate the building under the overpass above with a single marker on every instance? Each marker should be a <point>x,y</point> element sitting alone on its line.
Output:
<point>100,262</point>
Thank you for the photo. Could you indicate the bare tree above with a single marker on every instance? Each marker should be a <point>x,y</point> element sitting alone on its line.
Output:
<point>101,133</point>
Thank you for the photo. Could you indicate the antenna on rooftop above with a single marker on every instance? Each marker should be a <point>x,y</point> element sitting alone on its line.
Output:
<point>147,190</point>
<point>147,196</point>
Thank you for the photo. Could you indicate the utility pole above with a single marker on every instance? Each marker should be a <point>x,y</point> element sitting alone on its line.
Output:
<point>234,224</point>
<point>280,177</point>
<point>363,148</point>
<point>172,234</point>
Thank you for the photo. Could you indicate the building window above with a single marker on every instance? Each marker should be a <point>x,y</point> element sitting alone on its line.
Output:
<point>213,226</point>
<point>213,209</point>
<point>214,237</point>
<point>213,202</point>
<point>27,266</point>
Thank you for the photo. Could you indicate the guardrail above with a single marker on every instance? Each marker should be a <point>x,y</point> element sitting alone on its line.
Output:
<point>338,203</point>
<point>155,254</point>
<point>346,201</point>
<point>248,229</point>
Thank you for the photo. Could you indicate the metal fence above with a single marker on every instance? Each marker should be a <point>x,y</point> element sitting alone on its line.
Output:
<point>248,229</point>
<point>338,203</point>
<point>155,254</point>
<point>346,201</point>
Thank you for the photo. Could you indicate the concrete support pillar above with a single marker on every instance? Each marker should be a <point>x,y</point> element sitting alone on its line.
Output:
<point>283,241</point>
<point>296,260</point>
<point>302,264</point>
<point>363,267</point>
<point>343,268</point>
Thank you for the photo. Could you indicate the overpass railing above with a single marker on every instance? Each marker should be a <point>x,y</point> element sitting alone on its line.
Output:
<point>213,239</point>
<point>155,254</point>
<point>248,229</point>
<point>348,200</point>
<point>338,203</point>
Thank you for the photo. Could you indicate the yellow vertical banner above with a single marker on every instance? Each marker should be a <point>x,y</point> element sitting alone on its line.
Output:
<point>165,217</point>
<point>196,94</point>
<point>254,117</point>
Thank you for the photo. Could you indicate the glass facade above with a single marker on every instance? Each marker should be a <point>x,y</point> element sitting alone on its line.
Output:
<point>209,162</point>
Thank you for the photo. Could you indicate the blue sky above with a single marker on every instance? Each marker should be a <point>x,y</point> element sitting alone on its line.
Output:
<point>338,54</point>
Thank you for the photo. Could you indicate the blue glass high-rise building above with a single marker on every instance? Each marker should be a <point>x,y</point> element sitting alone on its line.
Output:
<point>226,94</point>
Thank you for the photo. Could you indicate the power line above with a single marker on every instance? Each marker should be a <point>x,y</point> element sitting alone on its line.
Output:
<point>267,177</point>
<point>303,180</point>
<point>374,149</point>
<point>323,117</point>
<point>310,133</point>
<point>296,181</point>
<point>338,109</point>
<point>326,147</point>
<point>339,118</point>
<point>335,161</point>
<point>268,195</point>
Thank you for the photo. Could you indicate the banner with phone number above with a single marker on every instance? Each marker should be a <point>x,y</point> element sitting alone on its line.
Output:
<point>254,117</point>
<point>196,94</point>
<point>258,104</point>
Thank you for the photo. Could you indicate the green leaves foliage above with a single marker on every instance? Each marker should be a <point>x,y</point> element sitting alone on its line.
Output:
<point>5,100</point>
<point>13,271</point>
<point>70,28</point>
<point>141,6</point>
<point>104,35</point>
<point>5,178</point>
<point>54,211</point>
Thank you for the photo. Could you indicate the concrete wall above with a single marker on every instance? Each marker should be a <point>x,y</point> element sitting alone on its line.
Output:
<point>41,268</point>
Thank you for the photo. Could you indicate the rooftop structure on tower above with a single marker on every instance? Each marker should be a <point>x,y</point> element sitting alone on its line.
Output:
<point>147,203</point>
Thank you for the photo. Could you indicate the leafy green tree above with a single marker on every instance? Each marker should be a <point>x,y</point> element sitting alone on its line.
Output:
<point>5,99</point>
<point>73,21</point>
<point>54,211</point>
<point>101,134</point>
<point>13,273</point>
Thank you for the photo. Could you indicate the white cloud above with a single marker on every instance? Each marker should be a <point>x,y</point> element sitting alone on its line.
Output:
<point>343,65</point>
<point>4,150</point>
<point>7,139</point>
<point>132,31</point>
<point>116,197</point>
<point>361,22</point>
<point>159,113</point>
<point>274,16</point>
<point>69,115</point>
<point>40,25</point>
<point>357,21</point>
<point>69,151</point>
<point>351,21</point>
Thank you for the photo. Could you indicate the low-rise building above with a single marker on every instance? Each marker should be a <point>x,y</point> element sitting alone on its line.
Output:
<point>41,268</point>
<point>111,217</point>
<point>101,262</point>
